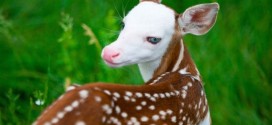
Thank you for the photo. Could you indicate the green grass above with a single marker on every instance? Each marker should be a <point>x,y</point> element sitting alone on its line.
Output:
<point>43,45</point>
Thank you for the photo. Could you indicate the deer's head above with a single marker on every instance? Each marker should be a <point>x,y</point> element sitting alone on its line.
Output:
<point>149,27</point>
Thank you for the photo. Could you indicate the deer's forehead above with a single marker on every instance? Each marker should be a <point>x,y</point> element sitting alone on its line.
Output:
<point>150,14</point>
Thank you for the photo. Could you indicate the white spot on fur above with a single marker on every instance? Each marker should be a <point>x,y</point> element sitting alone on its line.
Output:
<point>55,120</point>
<point>114,98</point>
<point>162,95</point>
<point>128,93</point>
<point>156,95</point>
<point>189,84</point>
<point>133,100</point>
<point>155,117</point>
<point>143,103</point>
<point>185,87</point>
<point>180,111</point>
<point>204,109</point>
<point>75,104</point>
<point>169,111</point>
<point>144,119</point>
<point>60,115</point>
<point>83,94</point>
<point>97,99</point>
<point>124,114</point>
<point>107,109</point>
<point>167,94</point>
<point>68,108</point>
<point>139,94</point>
<point>47,123</point>
<point>153,99</point>
<point>177,92</point>
<point>199,104</point>
<point>126,98</point>
<point>138,107</point>
<point>147,95</point>
<point>117,95</point>
<point>174,119</point>
<point>80,123</point>
<point>184,118</point>
<point>162,113</point>
<point>195,106</point>
<point>117,109</point>
<point>151,107</point>
<point>183,95</point>
<point>107,92</point>
<point>103,119</point>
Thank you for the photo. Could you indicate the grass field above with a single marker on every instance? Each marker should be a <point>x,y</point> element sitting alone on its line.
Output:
<point>43,47</point>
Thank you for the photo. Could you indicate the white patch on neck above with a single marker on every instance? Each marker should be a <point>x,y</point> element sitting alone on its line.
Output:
<point>181,55</point>
<point>147,69</point>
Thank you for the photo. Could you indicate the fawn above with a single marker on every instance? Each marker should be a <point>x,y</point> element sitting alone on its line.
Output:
<point>173,92</point>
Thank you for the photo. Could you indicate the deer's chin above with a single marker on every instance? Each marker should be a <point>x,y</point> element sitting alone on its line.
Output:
<point>116,65</point>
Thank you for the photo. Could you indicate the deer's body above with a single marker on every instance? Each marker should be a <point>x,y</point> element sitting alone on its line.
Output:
<point>173,92</point>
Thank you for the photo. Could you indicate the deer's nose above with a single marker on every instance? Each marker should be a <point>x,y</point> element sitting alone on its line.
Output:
<point>109,54</point>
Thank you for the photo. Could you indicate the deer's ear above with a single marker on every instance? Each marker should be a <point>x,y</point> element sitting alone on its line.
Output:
<point>156,1</point>
<point>198,19</point>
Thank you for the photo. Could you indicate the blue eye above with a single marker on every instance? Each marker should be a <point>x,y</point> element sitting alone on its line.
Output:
<point>153,40</point>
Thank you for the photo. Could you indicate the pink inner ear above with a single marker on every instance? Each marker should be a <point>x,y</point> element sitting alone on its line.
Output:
<point>199,15</point>
<point>199,19</point>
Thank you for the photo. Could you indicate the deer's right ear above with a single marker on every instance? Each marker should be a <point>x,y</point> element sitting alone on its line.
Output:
<point>156,1</point>
<point>198,19</point>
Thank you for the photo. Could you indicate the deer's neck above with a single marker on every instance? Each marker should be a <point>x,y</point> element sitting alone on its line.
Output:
<point>147,69</point>
<point>175,59</point>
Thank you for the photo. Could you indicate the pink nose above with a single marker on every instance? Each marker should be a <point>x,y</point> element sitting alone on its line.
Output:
<point>109,54</point>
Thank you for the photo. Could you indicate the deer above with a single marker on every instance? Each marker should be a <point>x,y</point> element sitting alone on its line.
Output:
<point>173,93</point>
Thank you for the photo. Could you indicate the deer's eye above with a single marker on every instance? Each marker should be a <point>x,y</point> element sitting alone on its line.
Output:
<point>153,40</point>
<point>122,24</point>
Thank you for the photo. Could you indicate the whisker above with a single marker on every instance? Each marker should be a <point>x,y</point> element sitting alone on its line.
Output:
<point>117,11</point>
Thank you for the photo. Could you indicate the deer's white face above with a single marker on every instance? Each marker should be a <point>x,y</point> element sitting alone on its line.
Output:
<point>148,29</point>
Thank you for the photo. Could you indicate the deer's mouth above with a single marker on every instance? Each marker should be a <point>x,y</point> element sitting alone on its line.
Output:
<point>114,64</point>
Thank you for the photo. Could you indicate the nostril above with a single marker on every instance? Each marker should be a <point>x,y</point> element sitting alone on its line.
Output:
<point>115,55</point>
<point>110,54</point>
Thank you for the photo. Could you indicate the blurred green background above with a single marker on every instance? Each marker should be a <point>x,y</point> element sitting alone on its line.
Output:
<point>43,47</point>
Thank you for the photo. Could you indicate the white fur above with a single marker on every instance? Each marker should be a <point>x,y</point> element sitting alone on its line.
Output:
<point>147,68</point>
<point>142,22</point>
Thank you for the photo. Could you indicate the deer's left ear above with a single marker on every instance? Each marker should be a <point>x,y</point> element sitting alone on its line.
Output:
<point>198,19</point>
<point>156,1</point>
